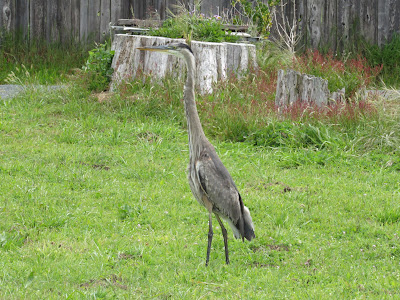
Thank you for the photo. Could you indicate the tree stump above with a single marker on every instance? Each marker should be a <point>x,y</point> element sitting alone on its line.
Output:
<point>214,61</point>
<point>293,86</point>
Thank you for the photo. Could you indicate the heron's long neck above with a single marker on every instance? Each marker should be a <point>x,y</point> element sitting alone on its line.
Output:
<point>195,130</point>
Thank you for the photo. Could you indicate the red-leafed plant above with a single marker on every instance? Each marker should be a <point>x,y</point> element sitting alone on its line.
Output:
<point>349,73</point>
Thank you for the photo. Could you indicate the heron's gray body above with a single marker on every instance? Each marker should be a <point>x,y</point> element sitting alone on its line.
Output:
<point>209,180</point>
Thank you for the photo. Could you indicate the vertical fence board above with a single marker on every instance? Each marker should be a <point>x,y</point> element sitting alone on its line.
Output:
<point>94,19</point>
<point>383,21</point>
<point>83,20</point>
<point>349,32</point>
<point>7,15</point>
<point>288,12</point>
<point>130,7</point>
<point>127,8</point>
<point>15,14</point>
<point>355,25</point>
<point>329,32</point>
<point>116,10</point>
<point>314,7</point>
<point>22,17</point>
<point>52,25</point>
<point>388,16</point>
<point>163,9</point>
<point>105,18</point>
<point>75,20</point>
<point>1,14</point>
<point>139,8</point>
<point>172,6</point>
<point>301,10</point>
<point>158,6</point>
<point>121,9</point>
<point>64,12</point>
<point>209,8</point>
<point>37,21</point>
<point>342,24</point>
<point>394,17</point>
<point>151,9</point>
<point>368,20</point>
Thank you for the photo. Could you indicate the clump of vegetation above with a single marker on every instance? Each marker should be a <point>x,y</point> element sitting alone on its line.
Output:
<point>352,73</point>
<point>387,56</point>
<point>349,73</point>
<point>244,111</point>
<point>98,67</point>
<point>255,13</point>
<point>192,25</point>
<point>46,63</point>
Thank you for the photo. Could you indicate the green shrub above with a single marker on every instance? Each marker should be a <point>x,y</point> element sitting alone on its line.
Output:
<point>46,63</point>
<point>194,26</point>
<point>258,14</point>
<point>349,73</point>
<point>98,67</point>
<point>388,55</point>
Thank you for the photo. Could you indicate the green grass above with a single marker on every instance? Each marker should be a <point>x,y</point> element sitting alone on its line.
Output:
<point>37,61</point>
<point>95,204</point>
<point>94,200</point>
<point>388,55</point>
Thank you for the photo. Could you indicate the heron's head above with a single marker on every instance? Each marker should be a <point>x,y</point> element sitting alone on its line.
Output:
<point>177,49</point>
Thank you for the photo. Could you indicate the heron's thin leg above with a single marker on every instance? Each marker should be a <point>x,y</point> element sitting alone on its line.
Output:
<point>225,235</point>
<point>210,236</point>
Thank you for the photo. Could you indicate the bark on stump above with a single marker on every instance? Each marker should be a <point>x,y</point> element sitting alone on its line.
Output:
<point>293,86</point>
<point>214,61</point>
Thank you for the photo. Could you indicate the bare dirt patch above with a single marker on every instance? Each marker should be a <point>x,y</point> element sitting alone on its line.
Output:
<point>112,280</point>
<point>280,247</point>
<point>128,256</point>
<point>103,96</point>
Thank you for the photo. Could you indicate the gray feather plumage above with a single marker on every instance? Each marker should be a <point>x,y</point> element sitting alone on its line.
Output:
<point>209,180</point>
<point>206,173</point>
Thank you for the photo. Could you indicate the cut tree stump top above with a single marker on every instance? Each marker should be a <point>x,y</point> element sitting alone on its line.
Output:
<point>214,61</point>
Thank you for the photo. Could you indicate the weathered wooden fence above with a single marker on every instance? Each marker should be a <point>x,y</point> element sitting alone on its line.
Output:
<point>336,24</point>
<point>327,23</point>
<point>62,20</point>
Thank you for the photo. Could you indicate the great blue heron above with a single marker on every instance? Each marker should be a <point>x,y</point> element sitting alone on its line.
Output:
<point>209,180</point>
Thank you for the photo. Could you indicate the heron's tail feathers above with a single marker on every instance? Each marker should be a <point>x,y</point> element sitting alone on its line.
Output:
<point>248,225</point>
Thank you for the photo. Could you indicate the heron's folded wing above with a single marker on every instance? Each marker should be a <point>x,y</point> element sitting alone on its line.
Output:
<point>218,185</point>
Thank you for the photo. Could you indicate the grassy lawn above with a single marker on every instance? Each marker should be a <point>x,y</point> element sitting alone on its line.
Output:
<point>94,200</point>
<point>95,204</point>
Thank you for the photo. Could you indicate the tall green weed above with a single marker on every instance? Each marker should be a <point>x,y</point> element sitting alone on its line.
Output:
<point>244,111</point>
<point>193,25</point>
<point>46,63</point>
<point>388,56</point>
<point>352,74</point>
<point>98,67</point>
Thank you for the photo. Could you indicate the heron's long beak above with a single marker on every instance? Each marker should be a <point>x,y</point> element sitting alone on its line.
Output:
<point>162,48</point>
